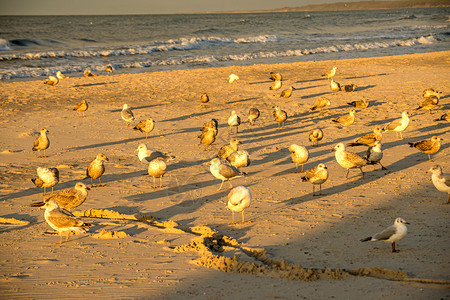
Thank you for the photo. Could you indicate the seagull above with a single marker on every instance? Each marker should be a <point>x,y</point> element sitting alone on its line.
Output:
<point>330,73</point>
<point>280,116</point>
<point>239,159</point>
<point>430,146</point>
<point>315,136</point>
<point>349,88</point>
<point>223,171</point>
<point>204,98</point>
<point>374,155</point>
<point>444,117</point>
<point>335,86</point>
<point>109,69</point>
<point>287,93</point>
<point>348,160</point>
<point>232,78</point>
<point>145,126</point>
<point>60,75</point>
<point>68,198</point>
<point>208,136</point>
<point>42,142</point>
<point>275,76</point>
<point>317,175</point>
<point>157,169</point>
<point>253,114</point>
<point>147,156</point>
<point>62,220</point>
<point>88,73</point>
<point>276,85</point>
<point>234,121</point>
<point>429,103</point>
<point>299,155</point>
<point>46,177</point>
<point>346,120</point>
<point>127,114</point>
<point>51,80</point>
<point>211,124</point>
<point>96,169</point>
<point>239,199</point>
<point>226,150</point>
<point>81,106</point>
<point>440,180</point>
<point>391,234</point>
<point>431,92</point>
<point>359,103</point>
<point>368,139</point>
<point>320,103</point>
<point>398,125</point>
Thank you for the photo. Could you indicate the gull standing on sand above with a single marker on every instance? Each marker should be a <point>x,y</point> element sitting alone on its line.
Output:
<point>46,177</point>
<point>299,155</point>
<point>253,115</point>
<point>317,175</point>
<point>239,199</point>
<point>335,86</point>
<point>276,85</point>
<point>81,106</point>
<point>223,171</point>
<point>374,155</point>
<point>280,116</point>
<point>315,136</point>
<point>391,234</point>
<point>320,103</point>
<point>68,198</point>
<point>109,69</point>
<point>287,93</point>
<point>51,80</point>
<point>226,150</point>
<point>60,75</point>
<point>368,139</point>
<point>88,73</point>
<point>127,114</point>
<point>349,88</point>
<point>359,103</point>
<point>348,160</point>
<point>275,76</point>
<point>147,156</point>
<point>96,169</point>
<point>346,120</point>
<point>62,220</point>
<point>145,126</point>
<point>234,121</point>
<point>430,146</point>
<point>429,103</point>
<point>157,169</point>
<point>232,78</point>
<point>330,73</point>
<point>204,98</point>
<point>42,142</point>
<point>398,125</point>
<point>440,180</point>
<point>444,117</point>
<point>239,159</point>
<point>208,136</point>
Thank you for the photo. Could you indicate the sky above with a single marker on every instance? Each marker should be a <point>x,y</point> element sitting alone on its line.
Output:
<point>111,7</point>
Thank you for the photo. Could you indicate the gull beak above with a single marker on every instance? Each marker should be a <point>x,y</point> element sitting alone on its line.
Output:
<point>136,150</point>
<point>88,188</point>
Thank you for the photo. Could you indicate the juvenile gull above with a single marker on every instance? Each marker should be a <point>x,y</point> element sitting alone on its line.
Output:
<point>348,160</point>
<point>68,198</point>
<point>145,126</point>
<point>239,159</point>
<point>147,156</point>
<point>211,124</point>
<point>398,125</point>
<point>81,106</point>
<point>368,139</point>
<point>299,155</point>
<point>429,103</point>
<point>431,92</point>
<point>287,93</point>
<point>157,169</point>
<point>276,76</point>
<point>239,199</point>
<point>234,121</point>
<point>88,73</point>
<point>335,86</point>
<point>315,135</point>
<point>320,103</point>
<point>223,171</point>
<point>51,80</point>
<point>330,73</point>
<point>42,142</point>
<point>359,103</point>
<point>60,75</point>
<point>374,155</point>
<point>127,114</point>
<point>208,136</point>
<point>280,116</point>
<point>46,177</point>
<point>346,120</point>
<point>226,150</point>
<point>430,146</point>
<point>96,169</point>
<point>317,175</point>
<point>253,115</point>
<point>391,234</point>
<point>62,220</point>
<point>109,69</point>
<point>276,85</point>
<point>232,78</point>
<point>440,180</point>
<point>204,98</point>
<point>444,117</point>
<point>349,88</point>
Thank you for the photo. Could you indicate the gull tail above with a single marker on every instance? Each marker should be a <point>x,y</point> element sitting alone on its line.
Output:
<point>313,108</point>
<point>411,144</point>
<point>355,144</point>
<point>304,178</point>
<point>335,121</point>
<point>366,239</point>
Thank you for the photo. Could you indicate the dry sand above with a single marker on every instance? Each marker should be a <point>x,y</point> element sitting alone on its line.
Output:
<point>176,242</point>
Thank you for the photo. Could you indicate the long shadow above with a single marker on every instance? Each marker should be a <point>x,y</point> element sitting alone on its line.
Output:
<point>94,84</point>
<point>315,95</point>
<point>310,80</point>
<point>365,76</point>
<point>363,88</point>
<point>192,115</point>
<point>242,100</point>
<point>32,220</point>
<point>135,108</point>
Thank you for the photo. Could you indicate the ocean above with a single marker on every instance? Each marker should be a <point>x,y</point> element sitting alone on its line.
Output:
<point>39,46</point>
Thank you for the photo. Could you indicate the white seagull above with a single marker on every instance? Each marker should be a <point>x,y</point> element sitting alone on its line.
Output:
<point>391,234</point>
<point>239,199</point>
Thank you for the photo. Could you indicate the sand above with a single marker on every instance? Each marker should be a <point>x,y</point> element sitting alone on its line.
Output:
<point>177,242</point>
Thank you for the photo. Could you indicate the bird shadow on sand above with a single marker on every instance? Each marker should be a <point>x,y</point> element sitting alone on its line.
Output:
<point>242,100</point>
<point>366,76</point>
<point>363,88</point>
<point>95,84</point>
<point>21,217</point>
<point>192,116</point>
<point>134,108</point>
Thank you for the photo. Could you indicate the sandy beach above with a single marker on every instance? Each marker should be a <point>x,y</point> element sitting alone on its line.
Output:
<point>176,242</point>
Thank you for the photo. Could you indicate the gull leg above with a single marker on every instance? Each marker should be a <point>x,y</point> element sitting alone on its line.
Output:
<point>314,190</point>
<point>231,186</point>
<point>382,167</point>
<point>160,182</point>
<point>362,172</point>
<point>60,241</point>
<point>296,168</point>
<point>67,236</point>
<point>243,217</point>
<point>232,217</point>
<point>346,177</point>
<point>302,168</point>
<point>154,184</point>
<point>393,248</point>
<point>220,186</point>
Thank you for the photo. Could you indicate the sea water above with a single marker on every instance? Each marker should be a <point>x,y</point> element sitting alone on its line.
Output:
<point>38,46</point>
